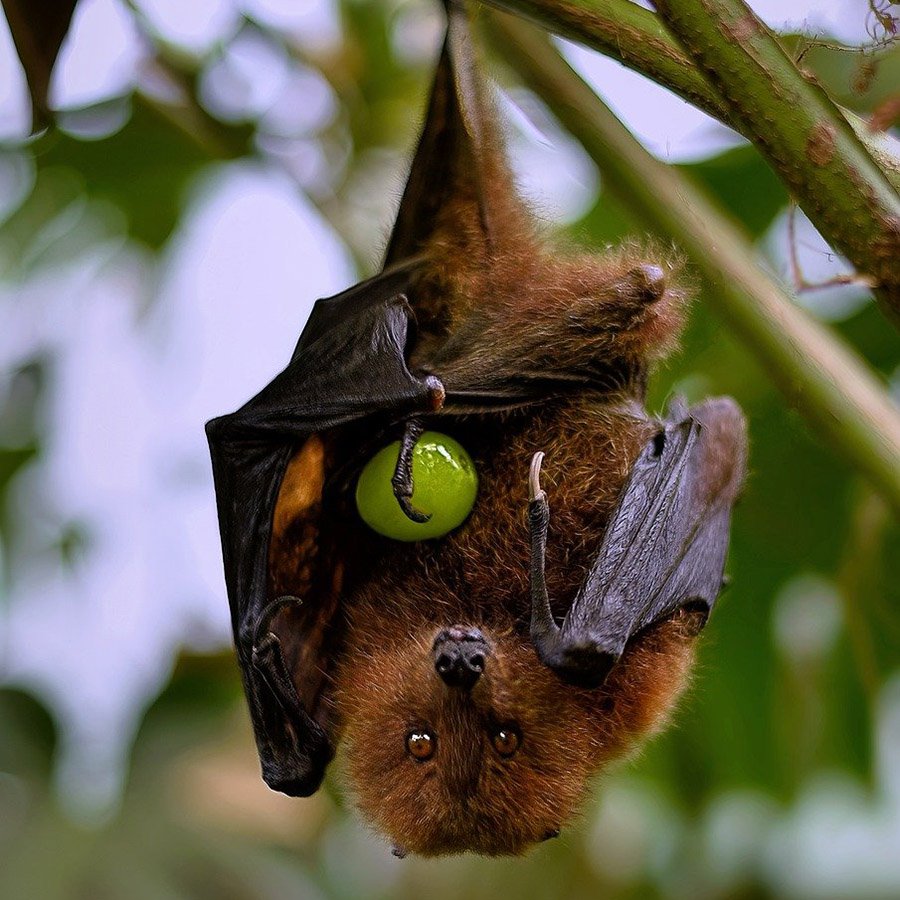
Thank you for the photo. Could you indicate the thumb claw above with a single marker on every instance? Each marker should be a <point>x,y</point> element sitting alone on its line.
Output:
<point>534,477</point>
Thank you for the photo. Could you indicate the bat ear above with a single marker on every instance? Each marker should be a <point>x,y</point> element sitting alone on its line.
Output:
<point>458,152</point>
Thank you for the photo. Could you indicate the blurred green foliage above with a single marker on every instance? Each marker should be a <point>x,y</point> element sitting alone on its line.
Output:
<point>792,663</point>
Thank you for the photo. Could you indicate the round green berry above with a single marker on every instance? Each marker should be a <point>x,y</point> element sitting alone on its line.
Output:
<point>444,485</point>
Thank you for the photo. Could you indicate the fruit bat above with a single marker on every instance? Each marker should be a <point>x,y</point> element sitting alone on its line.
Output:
<point>476,681</point>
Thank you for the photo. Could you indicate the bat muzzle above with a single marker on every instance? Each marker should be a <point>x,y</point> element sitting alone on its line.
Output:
<point>460,656</point>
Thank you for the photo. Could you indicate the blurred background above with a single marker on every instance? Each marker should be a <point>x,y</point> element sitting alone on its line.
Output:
<point>219,165</point>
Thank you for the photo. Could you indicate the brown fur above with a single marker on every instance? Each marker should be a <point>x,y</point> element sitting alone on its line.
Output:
<point>294,540</point>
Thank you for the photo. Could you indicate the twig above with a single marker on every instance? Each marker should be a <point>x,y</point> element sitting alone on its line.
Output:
<point>799,282</point>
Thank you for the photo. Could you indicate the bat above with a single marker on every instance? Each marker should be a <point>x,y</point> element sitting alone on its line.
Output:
<point>474,681</point>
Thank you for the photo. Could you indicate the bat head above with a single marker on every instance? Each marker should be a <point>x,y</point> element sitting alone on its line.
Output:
<point>458,739</point>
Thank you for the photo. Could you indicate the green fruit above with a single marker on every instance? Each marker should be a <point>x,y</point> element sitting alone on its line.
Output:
<point>444,484</point>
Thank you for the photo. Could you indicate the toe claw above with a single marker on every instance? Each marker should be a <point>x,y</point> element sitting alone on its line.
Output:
<point>535,492</point>
<point>411,512</point>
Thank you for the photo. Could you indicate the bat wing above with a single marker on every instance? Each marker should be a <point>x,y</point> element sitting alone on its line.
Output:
<point>664,548</point>
<point>348,365</point>
<point>453,148</point>
<point>284,574</point>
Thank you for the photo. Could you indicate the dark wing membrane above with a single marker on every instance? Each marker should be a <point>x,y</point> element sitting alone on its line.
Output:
<point>449,157</point>
<point>348,365</point>
<point>666,543</point>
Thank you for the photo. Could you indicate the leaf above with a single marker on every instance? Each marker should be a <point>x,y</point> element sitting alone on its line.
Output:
<point>38,28</point>
<point>143,169</point>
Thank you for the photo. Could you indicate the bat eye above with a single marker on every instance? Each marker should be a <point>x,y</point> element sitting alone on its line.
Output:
<point>420,745</point>
<point>506,740</point>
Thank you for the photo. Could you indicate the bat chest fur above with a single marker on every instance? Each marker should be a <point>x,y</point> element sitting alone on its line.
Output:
<point>479,574</point>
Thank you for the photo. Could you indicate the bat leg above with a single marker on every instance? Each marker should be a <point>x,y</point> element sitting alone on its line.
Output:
<point>578,658</point>
<point>402,479</point>
<point>545,633</point>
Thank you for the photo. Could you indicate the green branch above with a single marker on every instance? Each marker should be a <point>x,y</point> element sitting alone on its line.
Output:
<point>636,38</point>
<point>798,129</point>
<point>820,375</point>
<point>628,33</point>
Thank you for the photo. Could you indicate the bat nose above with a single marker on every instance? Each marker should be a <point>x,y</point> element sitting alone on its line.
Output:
<point>460,656</point>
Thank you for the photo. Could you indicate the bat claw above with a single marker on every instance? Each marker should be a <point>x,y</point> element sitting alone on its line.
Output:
<point>402,479</point>
<point>416,515</point>
<point>535,492</point>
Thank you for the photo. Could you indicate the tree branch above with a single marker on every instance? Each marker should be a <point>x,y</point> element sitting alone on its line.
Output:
<point>635,37</point>
<point>831,387</point>
<point>798,129</point>
<point>628,33</point>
